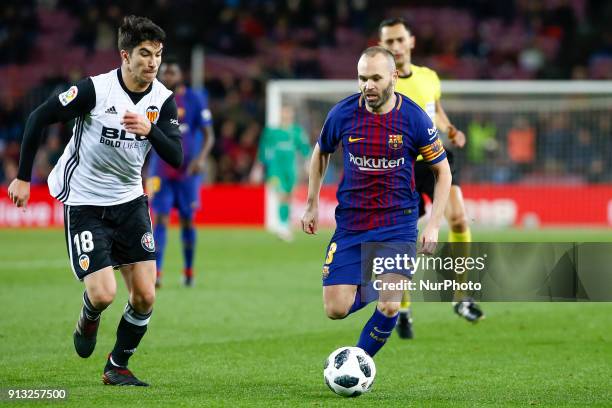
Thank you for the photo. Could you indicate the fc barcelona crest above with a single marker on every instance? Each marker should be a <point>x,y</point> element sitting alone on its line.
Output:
<point>152,113</point>
<point>395,141</point>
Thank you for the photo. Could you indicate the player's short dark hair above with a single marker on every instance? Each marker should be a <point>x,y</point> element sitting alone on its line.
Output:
<point>390,22</point>
<point>377,49</point>
<point>135,29</point>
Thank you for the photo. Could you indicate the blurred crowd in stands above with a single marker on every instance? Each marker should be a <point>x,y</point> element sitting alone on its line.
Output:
<point>47,44</point>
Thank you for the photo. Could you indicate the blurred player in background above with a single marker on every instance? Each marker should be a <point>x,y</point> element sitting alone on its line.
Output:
<point>278,155</point>
<point>119,116</point>
<point>422,85</point>
<point>180,188</point>
<point>381,133</point>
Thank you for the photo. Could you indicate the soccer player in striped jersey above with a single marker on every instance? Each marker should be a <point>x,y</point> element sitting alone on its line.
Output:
<point>422,85</point>
<point>381,132</point>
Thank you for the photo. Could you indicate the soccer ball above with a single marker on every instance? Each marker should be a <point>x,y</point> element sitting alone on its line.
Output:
<point>349,371</point>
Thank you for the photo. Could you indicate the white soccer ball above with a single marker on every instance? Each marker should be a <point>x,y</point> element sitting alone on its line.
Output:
<point>349,371</point>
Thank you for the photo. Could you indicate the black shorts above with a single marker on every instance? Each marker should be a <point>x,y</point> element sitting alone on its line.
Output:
<point>425,180</point>
<point>98,237</point>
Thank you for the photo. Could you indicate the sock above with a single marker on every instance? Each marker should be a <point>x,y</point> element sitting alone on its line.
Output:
<point>160,233</point>
<point>188,236</point>
<point>376,332</point>
<point>461,248</point>
<point>405,305</point>
<point>465,236</point>
<point>90,312</point>
<point>363,297</point>
<point>283,213</point>
<point>132,327</point>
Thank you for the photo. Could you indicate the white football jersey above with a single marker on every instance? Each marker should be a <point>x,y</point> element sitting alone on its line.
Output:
<point>102,163</point>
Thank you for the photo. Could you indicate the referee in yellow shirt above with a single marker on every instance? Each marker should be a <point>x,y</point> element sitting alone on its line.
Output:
<point>422,85</point>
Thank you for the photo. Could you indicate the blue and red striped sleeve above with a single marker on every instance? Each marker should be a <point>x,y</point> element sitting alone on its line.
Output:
<point>428,141</point>
<point>331,134</point>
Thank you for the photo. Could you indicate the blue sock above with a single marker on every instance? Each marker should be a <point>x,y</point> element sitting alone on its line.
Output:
<point>376,332</point>
<point>160,235</point>
<point>363,297</point>
<point>188,236</point>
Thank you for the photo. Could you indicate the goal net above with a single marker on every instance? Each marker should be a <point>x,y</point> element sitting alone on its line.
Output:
<point>538,152</point>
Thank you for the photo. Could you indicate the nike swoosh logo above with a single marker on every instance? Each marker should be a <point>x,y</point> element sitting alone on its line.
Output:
<point>356,139</point>
<point>382,331</point>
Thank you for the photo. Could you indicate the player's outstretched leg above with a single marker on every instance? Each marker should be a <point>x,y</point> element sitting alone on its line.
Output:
<point>140,279</point>
<point>188,238</point>
<point>102,287</point>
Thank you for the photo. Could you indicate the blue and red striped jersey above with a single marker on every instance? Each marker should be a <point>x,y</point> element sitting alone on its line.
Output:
<point>379,151</point>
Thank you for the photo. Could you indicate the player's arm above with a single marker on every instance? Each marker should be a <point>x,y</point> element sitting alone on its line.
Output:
<point>199,162</point>
<point>442,174</point>
<point>330,137</point>
<point>208,133</point>
<point>431,148</point>
<point>78,100</point>
<point>318,166</point>
<point>165,136</point>
<point>443,123</point>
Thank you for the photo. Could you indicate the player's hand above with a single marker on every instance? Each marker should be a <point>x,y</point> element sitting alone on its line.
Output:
<point>456,137</point>
<point>136,124</point>
<point>19,192</point>
<point>310,220</point>
<point>196,166</point>
<point>429,239</point>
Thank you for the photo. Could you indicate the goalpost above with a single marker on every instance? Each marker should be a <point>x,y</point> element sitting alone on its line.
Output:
<point>538,153</point>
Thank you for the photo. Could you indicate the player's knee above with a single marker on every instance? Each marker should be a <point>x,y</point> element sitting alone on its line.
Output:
<point>389,309</point>
<point>335,310</point>
<point>457,221</point>
<point>102,298</point>
<point>143,300</point>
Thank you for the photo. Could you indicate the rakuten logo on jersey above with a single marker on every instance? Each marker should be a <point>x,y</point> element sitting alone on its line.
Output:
<point>365,163</point>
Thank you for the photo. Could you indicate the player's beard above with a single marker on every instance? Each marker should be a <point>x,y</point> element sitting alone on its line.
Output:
<point>382,99</point>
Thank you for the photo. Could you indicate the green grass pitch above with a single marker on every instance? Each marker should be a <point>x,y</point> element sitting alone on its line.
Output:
<point>253,332</point>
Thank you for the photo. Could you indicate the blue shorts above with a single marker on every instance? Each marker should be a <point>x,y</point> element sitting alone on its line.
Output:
<point>342,264</point>
<point>184,195</point>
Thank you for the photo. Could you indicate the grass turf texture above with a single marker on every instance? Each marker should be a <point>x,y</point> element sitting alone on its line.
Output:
<point>253,332</point>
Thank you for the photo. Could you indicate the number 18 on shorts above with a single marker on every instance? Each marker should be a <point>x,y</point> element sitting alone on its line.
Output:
<point>99,237</point>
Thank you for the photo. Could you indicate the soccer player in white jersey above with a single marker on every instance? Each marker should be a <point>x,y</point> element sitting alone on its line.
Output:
<point>119,116</point>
